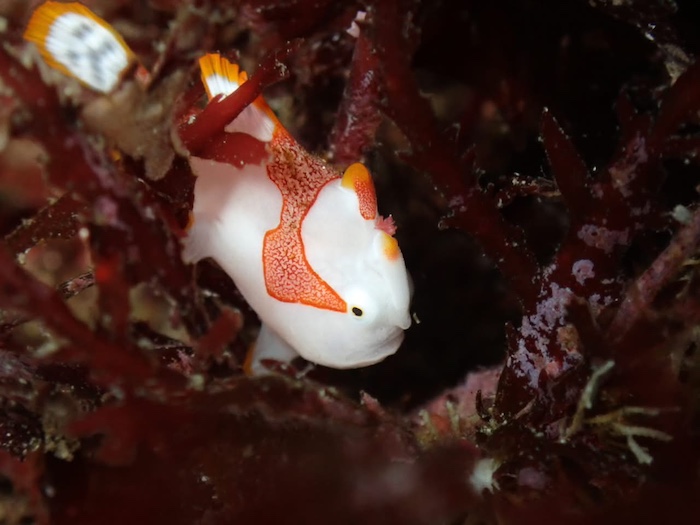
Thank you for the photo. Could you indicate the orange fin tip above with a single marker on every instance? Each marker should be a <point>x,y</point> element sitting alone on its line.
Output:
<point>222,77</point>
<point>219,76</point>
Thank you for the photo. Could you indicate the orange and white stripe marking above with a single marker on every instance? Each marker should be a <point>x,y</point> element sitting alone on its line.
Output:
<point>75,41</point>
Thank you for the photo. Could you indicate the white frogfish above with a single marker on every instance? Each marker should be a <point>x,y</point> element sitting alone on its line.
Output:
<point>303,243</point>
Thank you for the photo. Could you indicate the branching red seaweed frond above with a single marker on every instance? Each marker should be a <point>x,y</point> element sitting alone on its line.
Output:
<point>578,307</point>
<point>23,293</point>
<point>605,215</point>
<point>431,153</point>
<point>639,296</point>
<point>64,217</point>
<point>66,290</point>
<point>358,116</point>
<point>568,169</point>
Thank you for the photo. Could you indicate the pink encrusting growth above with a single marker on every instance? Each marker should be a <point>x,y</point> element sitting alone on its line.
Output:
<point>386,224</point>
<point>582,270</point>
<point>603,238</point>
<point>536,331</point>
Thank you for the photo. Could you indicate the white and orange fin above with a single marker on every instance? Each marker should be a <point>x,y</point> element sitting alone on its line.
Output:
<point>221,77</point>
<point>198,243</point>
<point>268,346</point>
<point>75,41</point>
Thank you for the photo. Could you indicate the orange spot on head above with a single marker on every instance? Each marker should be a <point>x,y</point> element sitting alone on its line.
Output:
<point>390,247</point>
<point>357,178</point>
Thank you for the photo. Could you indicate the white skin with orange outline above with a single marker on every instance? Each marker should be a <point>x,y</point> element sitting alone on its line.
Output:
<point>305,246</point>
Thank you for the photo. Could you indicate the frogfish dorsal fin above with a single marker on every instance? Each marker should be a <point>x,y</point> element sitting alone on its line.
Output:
<point>221,78</point>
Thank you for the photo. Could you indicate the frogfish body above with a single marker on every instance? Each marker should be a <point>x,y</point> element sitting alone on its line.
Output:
<point>305,246</point>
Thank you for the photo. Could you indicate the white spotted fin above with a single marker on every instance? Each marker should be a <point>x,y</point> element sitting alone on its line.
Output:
<point>75,41</point>
<point>221,77</point>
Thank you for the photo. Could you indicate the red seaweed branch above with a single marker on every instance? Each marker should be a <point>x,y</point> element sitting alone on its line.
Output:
<point>432,154</point>
<point>638,300</point>
<point>358,116</point>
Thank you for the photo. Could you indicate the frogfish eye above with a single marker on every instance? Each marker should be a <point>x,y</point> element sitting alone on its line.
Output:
<point>357,311</point>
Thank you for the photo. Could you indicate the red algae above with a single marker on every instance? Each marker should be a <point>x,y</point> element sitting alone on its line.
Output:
<point>540,165</point>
